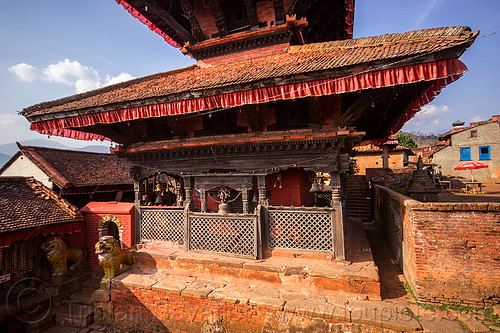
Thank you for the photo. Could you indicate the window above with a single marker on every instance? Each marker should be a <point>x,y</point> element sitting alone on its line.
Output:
<point>465,154</point>
<point>473,134</point>
<point>484,153</point>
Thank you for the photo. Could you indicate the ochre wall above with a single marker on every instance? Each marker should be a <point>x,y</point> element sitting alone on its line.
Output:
<point>448,251</point>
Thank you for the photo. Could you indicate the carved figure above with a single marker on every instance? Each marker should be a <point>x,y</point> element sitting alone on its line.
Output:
<point>58,255</point>
<point>111,257</point>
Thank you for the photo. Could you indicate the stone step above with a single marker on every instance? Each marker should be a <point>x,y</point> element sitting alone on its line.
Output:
<point>358,204</point>
<point>358,212</point>
<point>313,275</point>
<point>92,283</point>
<point>74,314</point>
<point>83,296</point>
<point>41,322</point>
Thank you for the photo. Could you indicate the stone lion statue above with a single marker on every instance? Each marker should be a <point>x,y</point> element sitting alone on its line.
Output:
<point>111,257</point>
<point>59,254</point>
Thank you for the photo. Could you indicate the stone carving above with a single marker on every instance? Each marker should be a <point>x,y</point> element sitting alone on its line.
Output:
<point>111,257</point>
<point>59,254</point>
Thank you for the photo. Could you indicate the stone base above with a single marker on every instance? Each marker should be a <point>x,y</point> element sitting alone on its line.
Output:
<point>156,302</point>
<point>65,288</point>
<point>74,314</point>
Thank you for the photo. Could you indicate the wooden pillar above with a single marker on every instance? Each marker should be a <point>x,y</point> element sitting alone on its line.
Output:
<point>262,191</point>
<point>135,174</point>
<point>188,188</point>
<point>385,156</point>
<point>244,199</point>
<point>203,199</point>
<point>338,216</point>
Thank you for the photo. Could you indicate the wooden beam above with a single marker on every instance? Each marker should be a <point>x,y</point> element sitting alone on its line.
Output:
<point>188,10</point>
<point>251,9</point>
<point>176,129</point>
<point>358,109</point>
<point>220,22</point>
<point>165,16</point>
<point>279,11</point>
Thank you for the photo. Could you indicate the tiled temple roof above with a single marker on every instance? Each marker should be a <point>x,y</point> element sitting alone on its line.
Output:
<point>26,204</point>
<point>332,59</point>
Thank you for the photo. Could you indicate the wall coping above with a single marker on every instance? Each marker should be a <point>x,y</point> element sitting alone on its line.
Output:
<point>108,207</point>
<point>441,206</point>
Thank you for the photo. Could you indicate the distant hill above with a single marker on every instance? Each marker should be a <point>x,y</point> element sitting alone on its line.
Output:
<point>423,140</point>
<point>3,159</point>
<point>8,150</point>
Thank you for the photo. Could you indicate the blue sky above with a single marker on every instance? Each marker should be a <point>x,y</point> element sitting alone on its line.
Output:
<point>56,48</point>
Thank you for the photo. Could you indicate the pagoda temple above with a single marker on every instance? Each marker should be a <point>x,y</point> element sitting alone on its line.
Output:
<point>245,152</point>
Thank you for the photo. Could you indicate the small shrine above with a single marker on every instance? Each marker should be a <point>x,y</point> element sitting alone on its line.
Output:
<point>422,187</point>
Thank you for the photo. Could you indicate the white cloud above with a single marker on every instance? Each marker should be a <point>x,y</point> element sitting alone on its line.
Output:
<point>476,118</point>
<point>72,73</point>
<point>427,120</point>
<point>24,72</point>
<point>117,79</point>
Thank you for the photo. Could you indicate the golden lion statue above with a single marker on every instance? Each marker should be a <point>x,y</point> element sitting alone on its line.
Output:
<point>111,257</point>
<point>58,255</point>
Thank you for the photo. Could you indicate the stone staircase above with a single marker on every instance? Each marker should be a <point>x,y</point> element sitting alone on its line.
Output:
<point>358,198</point>
<point>78,311</point>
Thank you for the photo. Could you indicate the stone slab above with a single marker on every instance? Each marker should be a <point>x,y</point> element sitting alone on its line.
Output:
<point>170,286</point>
<point>315,308</point>
<point>74,314</point>
<point>472,323</point>
<point>232,293</point>
<point>62,329</point>
<point>385,318</point>
<point>134,279</point>
<point>101,296</point>
<point>440,325</point>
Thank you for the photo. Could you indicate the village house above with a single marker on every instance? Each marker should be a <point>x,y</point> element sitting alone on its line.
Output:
<point>480,142</point>
<point>388,155</point>
<point>244,155</point>
<point>78,176</point>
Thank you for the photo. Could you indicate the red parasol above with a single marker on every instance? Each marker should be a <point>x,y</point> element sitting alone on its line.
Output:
<point>470,165</point>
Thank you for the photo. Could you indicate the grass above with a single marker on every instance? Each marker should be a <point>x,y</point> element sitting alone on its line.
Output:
<point>486,315</point>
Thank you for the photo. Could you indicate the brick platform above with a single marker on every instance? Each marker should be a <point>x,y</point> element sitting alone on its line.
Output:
<point>170,289</point>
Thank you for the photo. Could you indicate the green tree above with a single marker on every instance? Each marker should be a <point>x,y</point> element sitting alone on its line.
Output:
<point>406,140</point>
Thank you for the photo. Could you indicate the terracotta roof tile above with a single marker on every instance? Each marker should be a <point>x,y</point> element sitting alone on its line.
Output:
<point>297,60</point>
<point>26,204</point>
<point>71,168</point>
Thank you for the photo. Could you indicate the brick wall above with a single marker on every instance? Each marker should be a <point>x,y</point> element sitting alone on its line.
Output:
<point>95,211</point>
<point>137,307</point>
<point>448,251</point>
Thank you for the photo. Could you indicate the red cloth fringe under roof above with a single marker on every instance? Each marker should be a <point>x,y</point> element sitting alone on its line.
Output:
<point>442,72</point>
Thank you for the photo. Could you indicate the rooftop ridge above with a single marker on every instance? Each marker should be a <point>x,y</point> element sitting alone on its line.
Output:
<point>463,32</point>
<point>68,150</point>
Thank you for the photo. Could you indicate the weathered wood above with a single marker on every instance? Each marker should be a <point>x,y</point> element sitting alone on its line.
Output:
<point>218,16</point>
<point>279,12</point>
<point>188,10</point>
<point>251,9</point>
<point>363,104</point>
<point>169,20</point>
<point>252,118</point>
